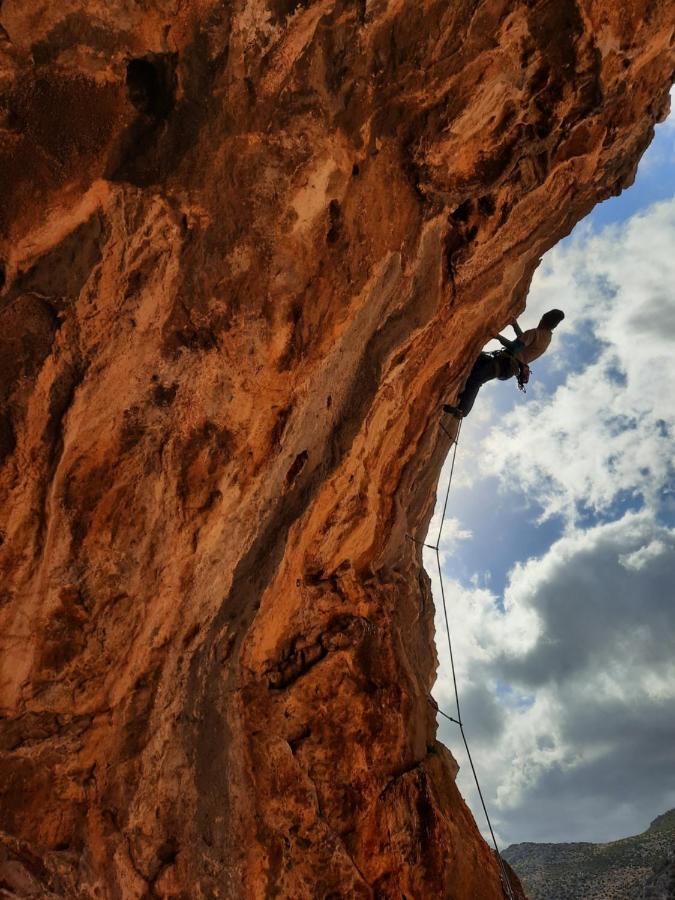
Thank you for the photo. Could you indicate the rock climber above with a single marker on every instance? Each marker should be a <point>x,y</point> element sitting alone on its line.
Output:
<point>512,361</point>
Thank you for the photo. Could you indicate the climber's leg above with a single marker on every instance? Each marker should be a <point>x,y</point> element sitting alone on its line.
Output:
<point>485,369</point>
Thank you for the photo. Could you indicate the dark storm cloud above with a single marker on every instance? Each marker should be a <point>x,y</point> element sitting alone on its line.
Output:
<point>596,754</point>
<point>602,604</point>
<point>656,316</point>
<point>557,811</point>
<point>622,773</point>
<point>482,712</point>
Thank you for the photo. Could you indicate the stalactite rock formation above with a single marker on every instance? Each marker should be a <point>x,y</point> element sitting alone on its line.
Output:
<point>247,250</point>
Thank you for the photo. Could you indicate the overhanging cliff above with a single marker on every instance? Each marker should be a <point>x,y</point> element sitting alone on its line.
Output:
<point>247,250</point>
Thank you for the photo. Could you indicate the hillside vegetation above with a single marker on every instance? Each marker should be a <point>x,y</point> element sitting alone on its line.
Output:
<point>642,866</point>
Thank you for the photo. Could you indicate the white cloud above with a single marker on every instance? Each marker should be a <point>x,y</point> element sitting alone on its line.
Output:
<point>453,533</point>
<point>638,559</point>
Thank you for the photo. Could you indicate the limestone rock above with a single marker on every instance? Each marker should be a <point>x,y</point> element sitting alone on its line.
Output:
<point>247,250</point>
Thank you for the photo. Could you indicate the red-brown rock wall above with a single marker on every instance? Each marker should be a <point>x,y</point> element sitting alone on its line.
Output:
<point>247,250</point>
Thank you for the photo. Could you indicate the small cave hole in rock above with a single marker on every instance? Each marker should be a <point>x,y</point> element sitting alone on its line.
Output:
<point>356,170</point>
<point>463,211</point>
<point>297,466</point>
<point>487,205</point>
<point>164,395</point>
<point>168,852</point>
<point>335,222</point>
<point>314,577</point>
<point>151,84</point>
<point>7,435</point>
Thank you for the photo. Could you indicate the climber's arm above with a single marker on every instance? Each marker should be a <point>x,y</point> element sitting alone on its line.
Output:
<point>513,346</point>
<point>516,327</point>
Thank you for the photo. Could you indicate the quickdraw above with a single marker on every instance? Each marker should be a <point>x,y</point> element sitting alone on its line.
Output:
<point>523,370</point>
<point>523,376</point>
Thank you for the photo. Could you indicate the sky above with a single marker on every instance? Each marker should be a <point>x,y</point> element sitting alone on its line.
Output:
<point>559,542</point>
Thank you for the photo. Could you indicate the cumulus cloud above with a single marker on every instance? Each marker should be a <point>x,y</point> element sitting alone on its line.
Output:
<point>639,558</point>
<point>569,688</point>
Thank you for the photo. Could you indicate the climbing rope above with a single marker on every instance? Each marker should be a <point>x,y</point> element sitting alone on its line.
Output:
<point>506,884</point>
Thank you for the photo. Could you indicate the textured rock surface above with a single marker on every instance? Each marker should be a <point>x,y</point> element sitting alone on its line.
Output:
<point>248,248</point>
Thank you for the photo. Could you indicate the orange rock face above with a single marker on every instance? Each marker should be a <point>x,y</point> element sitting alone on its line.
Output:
<point>247,250</point>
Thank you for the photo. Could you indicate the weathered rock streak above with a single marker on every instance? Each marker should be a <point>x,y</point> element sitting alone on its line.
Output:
<point>247,250</point>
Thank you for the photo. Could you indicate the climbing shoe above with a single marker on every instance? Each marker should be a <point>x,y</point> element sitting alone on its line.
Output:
<point>453,411</point>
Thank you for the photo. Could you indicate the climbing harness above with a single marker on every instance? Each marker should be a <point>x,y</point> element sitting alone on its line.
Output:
<point>523,376</point>
<point>520,369</point>
<point>506,884</point>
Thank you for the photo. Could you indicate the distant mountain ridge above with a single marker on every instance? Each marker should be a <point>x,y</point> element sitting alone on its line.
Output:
<point>641,867</point>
